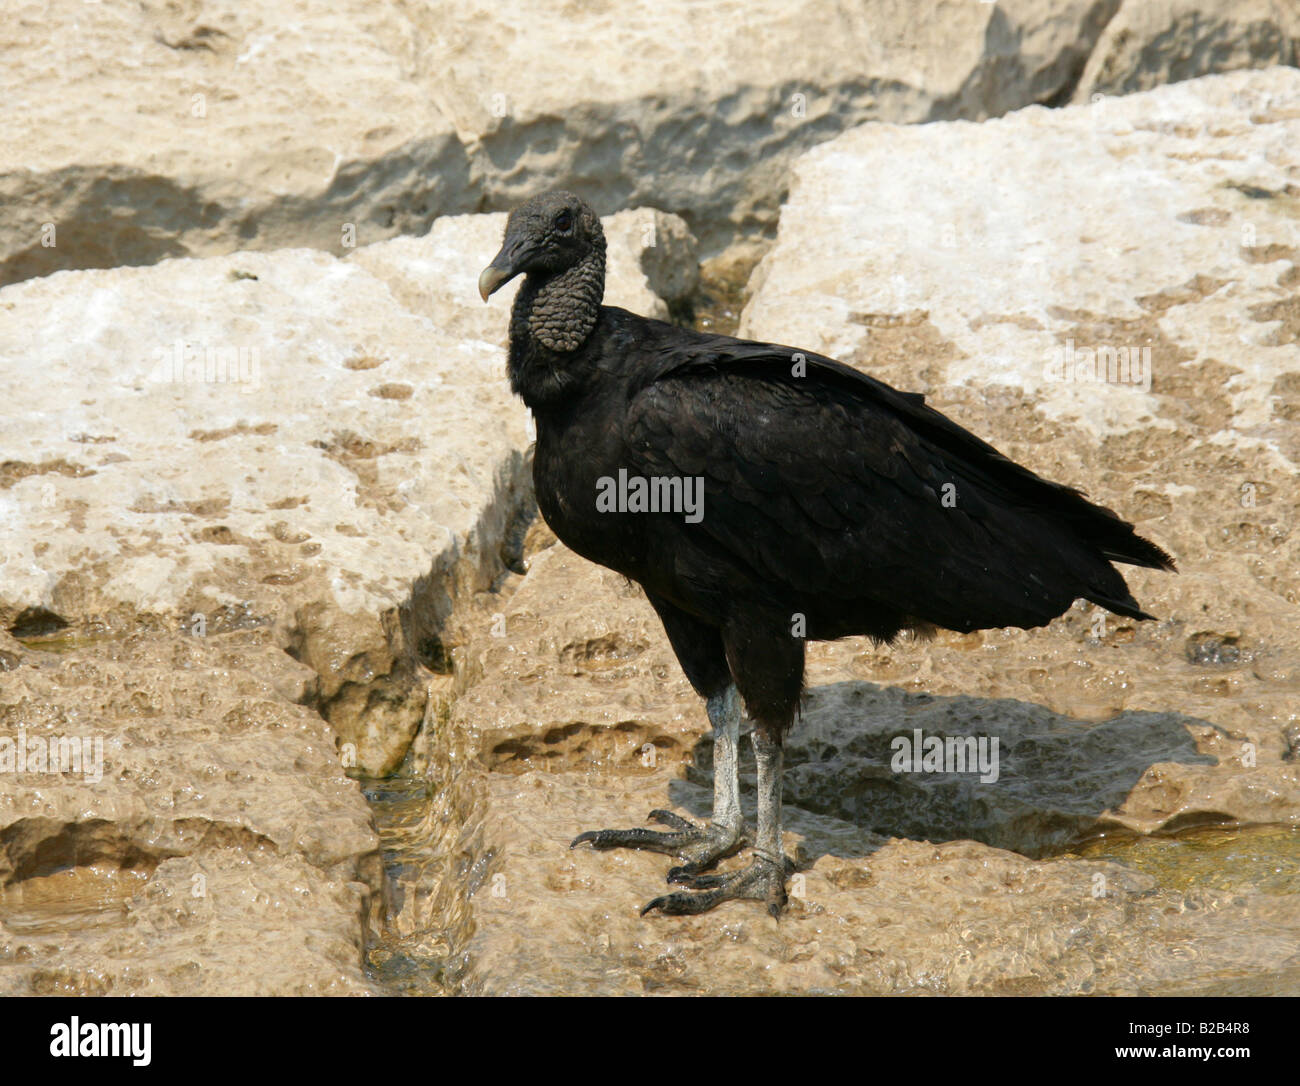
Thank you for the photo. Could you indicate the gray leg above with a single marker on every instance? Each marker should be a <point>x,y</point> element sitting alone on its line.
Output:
<point>764,878</point>
<point>724,715</point>
<point>770,755</point>
<point>701,847</point>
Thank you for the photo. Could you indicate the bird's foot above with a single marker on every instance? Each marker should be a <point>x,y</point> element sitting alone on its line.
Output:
<point>763,880</point>
<point>701,847</point>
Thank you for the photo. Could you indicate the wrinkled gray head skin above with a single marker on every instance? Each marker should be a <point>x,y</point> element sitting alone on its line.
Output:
<point>556,242</point>
<point>549,234</point>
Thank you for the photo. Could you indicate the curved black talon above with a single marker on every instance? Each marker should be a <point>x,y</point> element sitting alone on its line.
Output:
<point>676,821</point>
<point>760,881</point>
<point>635,838</point>
<point>701,847</point>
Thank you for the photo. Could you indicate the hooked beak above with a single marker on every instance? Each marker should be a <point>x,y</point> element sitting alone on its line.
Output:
<point>508,263</point>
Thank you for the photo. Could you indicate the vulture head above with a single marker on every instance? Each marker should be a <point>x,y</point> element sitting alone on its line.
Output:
<point>550,234</point>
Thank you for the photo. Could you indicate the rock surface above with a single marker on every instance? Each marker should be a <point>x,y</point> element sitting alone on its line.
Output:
<point>207,842</point>
<point>715,102</point>
<point>576,669</point>
<point>1151,42</point>
<point>1167,220</point>
<point>262,514</point>
<point>871,916</point>
<point>209,126</point>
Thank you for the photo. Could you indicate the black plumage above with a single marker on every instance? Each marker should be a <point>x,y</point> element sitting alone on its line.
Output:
<point>833,505</point>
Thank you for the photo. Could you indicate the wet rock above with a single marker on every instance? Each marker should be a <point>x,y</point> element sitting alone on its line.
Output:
<point>584,722</point>
<point>871,916</point>
<point>172,823</point>
<point>326,448</point>
<point>1292,736</point>
<point>576,670</point>
<point>1017,776</point>
<point>1150,42</point>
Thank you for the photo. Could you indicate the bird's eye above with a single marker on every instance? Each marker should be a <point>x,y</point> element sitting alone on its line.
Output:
<point>563,221</point>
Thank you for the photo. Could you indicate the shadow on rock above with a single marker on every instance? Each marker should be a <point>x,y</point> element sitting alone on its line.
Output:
<point>1008,773</point>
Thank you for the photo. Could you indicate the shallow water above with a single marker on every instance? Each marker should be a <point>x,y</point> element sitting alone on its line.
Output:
<point>721,294</point>
<point>403,962</point>
<point>429,820</point>
<point>64,642</point>
<point>431,868</point>
<point>73,899</point>
<point>1228,894</point>
<point>1265,859</point>
<point>1249,860</point>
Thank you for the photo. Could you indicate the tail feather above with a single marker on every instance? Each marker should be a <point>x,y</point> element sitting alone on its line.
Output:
<point>1111,539</point>
<point>1117,541</point>
<point>1127,606</point>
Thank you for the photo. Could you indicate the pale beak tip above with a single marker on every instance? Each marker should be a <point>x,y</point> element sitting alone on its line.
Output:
<point>491,279</point>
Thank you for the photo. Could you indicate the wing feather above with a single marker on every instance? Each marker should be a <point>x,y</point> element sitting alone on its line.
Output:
<point>834,485</point>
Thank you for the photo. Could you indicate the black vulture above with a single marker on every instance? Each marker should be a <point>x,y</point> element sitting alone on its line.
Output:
<point>763,495</point>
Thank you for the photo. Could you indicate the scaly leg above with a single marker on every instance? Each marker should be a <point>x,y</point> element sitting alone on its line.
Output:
<point>701,847</point>
<point>764,878</point>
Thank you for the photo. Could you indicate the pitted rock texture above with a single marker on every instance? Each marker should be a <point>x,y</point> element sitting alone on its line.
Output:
<point>208,842</point>
<point>1151,42</point>
<point>209,125</point>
